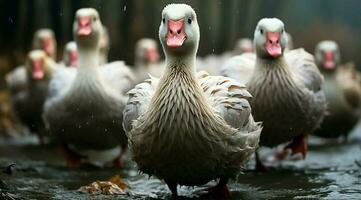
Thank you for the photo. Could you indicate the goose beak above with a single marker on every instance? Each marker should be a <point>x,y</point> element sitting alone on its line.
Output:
<point>84,26</point>
<point>37,69</point>
<point>328,60</point>
<point>176,35</point>
<point>73,57</point>
<point>273,45</point>
<point>152,55</point>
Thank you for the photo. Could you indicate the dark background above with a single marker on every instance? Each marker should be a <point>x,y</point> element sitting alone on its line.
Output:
<point>222,22</point>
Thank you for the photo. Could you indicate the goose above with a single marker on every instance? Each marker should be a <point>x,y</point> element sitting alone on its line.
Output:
<point>342,89</point>
<point>147,59</point>
<point>70,55</point>
<point>213,63</point>
<point>243,45</point>
<point>16,79</point>
<point>84,105</point>
<point>28,104</point>
<point>286,88</point>
<point>289,45</point>
<point>104,46</point>
<point>189,128</point>
<point>45,39</point>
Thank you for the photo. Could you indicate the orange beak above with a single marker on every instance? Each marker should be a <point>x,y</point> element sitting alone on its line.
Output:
<point>176,35</point>
<point>84,26</point>
<point>273,46</point>
<point>37,69</point>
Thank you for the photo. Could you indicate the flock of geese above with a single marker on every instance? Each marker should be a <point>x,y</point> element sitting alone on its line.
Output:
<point>188,126</point>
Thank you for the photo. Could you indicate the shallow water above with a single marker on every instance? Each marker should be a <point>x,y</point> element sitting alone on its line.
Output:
<point>329,172</point>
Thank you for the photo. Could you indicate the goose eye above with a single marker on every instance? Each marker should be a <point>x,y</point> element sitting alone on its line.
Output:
<point>163,20</point>
<point>189,20</point>
<point>94,18</point>
<point>261,31</point>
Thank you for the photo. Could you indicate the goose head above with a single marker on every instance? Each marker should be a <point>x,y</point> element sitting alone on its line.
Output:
<point>244,45</point>
<point>70,56</point>
<point>44,39</point>
<point>87,28</point>
<point>270,38</point>
<point>327,55</point>
<point>179,30</point>
<point>37,65</point>
<point>146,51</point>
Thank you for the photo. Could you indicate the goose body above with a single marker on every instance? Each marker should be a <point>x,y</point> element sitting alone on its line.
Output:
<point>84,107</point>
<point>189,128</point>
<point>342,90</point>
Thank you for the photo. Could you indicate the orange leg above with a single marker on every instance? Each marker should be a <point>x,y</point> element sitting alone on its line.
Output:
<point>220,190</point>
<point>119,161</point>
<point>298,145</point>
<point>72,159</point>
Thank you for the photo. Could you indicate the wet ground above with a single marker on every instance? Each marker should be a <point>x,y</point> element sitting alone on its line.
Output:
<point>329,172</point>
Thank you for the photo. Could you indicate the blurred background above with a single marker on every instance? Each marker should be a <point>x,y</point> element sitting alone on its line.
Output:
<point>221,23</point>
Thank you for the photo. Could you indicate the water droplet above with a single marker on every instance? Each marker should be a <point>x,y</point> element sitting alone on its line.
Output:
<point>125,8</point>
<point>10,20</point>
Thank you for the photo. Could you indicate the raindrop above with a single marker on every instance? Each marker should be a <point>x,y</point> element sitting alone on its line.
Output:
<point>125,8</point>
<point>212,50</point>
<point>106,130</point>
<point>10,20</point>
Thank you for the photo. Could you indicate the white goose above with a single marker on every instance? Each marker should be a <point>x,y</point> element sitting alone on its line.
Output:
<point>28,103</point>
<point>16,80</point>
<point>286,87</point>
<point>147,59</point>
<point>342,89</point>
<point>84,107</point>
<point>185,128</point>
<point>70,55</point>
<point>45,39</point>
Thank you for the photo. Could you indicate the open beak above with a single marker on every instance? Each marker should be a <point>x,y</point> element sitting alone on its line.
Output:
<point>37,69</point>
<point>176,35</point>
<point>47,46</point>
<point>273,45</point>
<point>152,55</point>
<point>73,57</point>
<point>329,60</point>
<point>84,26</point>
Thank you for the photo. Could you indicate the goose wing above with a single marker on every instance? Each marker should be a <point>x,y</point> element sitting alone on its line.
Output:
<point>228,97</point>
<point>138,101</point>
<point>305,70</point>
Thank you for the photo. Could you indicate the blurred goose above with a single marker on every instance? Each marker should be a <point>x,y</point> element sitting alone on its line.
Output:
<point>147,59</point>
<point>286,87</point>
<point>84,106</point>
<point>189,128</point>
<point>28,103</point>
<point>213,63</point>
<point>104,46</point>
<point>243,45</point>
<point>342,89</point>
<point>289,45</point>
<point>45,39</point>
<point>70,55</point>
